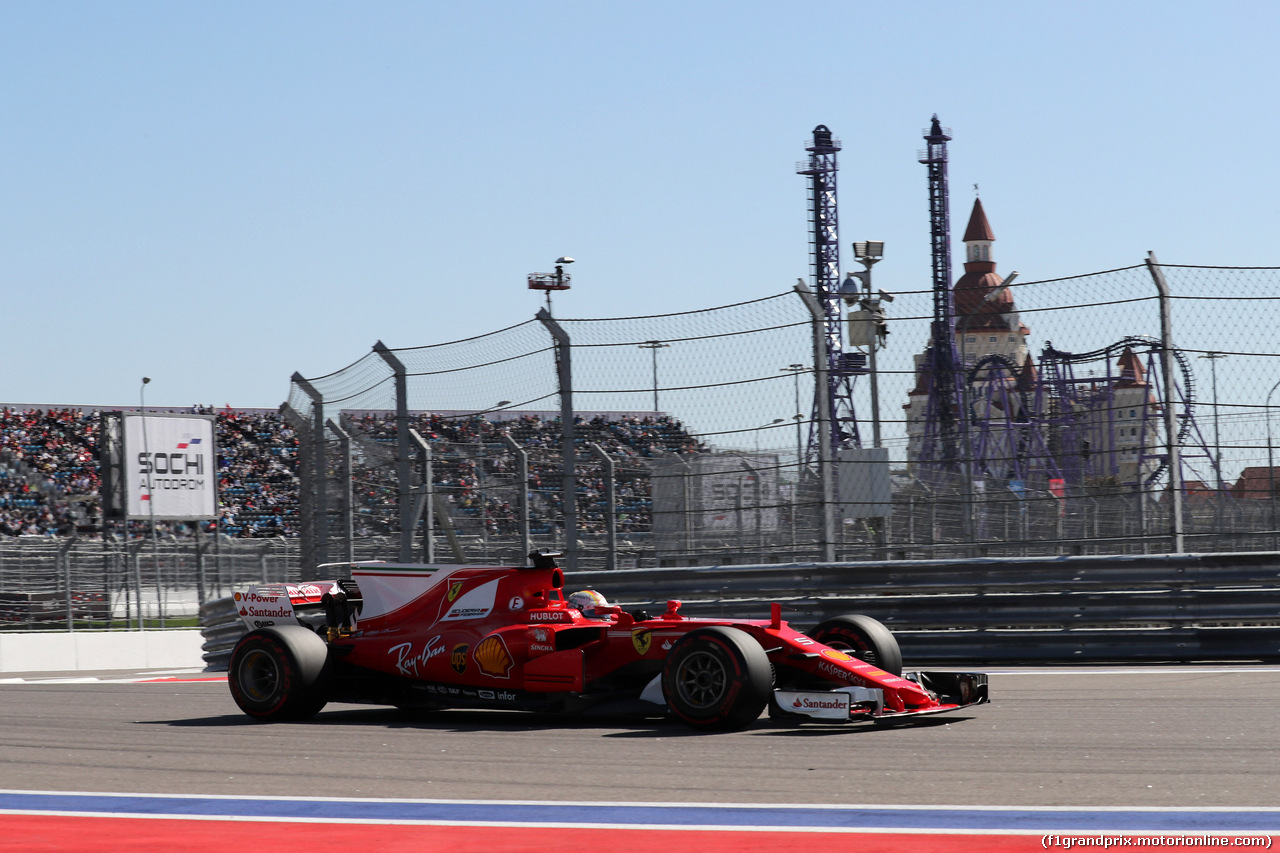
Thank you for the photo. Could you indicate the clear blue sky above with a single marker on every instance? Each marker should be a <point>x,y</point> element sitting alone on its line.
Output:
<point>218,194</point>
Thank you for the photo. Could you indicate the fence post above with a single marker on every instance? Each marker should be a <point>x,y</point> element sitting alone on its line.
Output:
<point>569,498</point>
<point>65,558</point>
<point>200,572</point>
<point>423,501</point>
<point>344,475</point>
<point>1172,450</point>
<point>137,576</point>
<point>826,474</point>
<point>405,488</point>
<point>106,572</point>
<point>319,471</point>
<point>755,477</point>
<point>522,494</point>
<point>611,506</point>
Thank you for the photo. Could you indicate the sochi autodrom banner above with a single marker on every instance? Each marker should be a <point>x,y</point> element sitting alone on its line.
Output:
<point>170,466</point>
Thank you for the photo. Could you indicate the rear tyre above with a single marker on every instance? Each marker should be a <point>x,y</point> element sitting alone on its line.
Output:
<point>275,675</point>
<point>863,637</point>
<point>717,679</point>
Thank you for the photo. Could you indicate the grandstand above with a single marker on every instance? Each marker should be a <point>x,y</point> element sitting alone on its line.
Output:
<point>50,472</point>
<point>473,468</point>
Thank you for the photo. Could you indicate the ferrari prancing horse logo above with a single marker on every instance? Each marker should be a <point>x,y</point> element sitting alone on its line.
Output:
<point>642,639</point>
<point>454,589</point>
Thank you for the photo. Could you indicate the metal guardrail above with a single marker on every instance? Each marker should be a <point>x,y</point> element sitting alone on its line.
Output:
<point>1178,607</point>
<point>1175,607</point>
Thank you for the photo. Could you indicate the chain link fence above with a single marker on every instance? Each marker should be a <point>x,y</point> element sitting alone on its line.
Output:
<point>69,584</point>
<point>695,437</point>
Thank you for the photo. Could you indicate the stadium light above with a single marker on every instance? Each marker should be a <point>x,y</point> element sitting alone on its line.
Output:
<point>869,253</point>
<point>151,506</point>
<point>654,346</point>
<point>773,422</point>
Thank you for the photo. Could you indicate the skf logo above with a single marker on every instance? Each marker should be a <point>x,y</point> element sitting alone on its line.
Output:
<point>454,589</point>
<point>642,639</point>
<point>458,658</point>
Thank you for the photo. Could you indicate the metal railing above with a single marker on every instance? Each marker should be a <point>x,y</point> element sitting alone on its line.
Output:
<point>69,584</point>
<point>1184,607</point>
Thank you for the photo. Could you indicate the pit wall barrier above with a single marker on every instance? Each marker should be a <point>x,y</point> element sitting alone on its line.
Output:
<point>62,651</point>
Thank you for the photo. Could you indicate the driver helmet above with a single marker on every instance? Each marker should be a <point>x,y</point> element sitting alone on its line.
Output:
<point>586,601</point>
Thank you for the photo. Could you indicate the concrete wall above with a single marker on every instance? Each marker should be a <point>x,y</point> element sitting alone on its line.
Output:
<point>53,651</point>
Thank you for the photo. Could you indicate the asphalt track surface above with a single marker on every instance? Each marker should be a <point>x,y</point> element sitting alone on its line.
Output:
<point>1176,741</point>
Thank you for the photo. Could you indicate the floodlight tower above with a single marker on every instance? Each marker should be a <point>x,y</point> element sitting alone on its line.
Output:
<point>842,367</point>
<point>945,422</point>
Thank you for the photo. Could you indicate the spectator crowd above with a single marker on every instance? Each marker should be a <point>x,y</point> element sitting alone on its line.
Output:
<point>50,475</point>
<point>474,469</point>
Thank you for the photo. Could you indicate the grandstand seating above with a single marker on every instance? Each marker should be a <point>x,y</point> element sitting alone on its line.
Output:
<point>472,469</point>
<point>49,471</point>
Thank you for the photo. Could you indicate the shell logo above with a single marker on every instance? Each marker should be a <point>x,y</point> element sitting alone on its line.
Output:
<point>492,657</point>
<point>832,654</point>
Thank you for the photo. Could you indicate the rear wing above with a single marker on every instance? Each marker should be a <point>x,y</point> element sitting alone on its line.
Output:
<point>331,604</point>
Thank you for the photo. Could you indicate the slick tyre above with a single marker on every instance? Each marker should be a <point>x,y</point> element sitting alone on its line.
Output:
<point>717,679</point>
<point>864,638</point>
<point>275,674</point>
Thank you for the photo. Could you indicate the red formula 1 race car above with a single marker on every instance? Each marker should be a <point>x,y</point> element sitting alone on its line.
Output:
<point>484,637</point>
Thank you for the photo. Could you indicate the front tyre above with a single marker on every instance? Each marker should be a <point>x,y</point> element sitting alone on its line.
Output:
<point>863,637</point>
<point>717,679</point>
<point>274,674</point>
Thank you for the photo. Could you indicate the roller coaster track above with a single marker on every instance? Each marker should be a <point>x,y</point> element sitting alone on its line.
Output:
<point>1051,359</point>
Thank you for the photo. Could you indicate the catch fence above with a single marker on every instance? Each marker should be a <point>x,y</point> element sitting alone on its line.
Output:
<point>67,584</point>
<point>695,438</point>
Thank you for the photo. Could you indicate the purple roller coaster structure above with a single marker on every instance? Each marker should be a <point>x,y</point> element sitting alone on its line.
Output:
<point>1081,420</point>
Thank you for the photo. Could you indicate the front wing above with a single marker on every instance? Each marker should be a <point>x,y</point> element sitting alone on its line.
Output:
<point>954,690</point>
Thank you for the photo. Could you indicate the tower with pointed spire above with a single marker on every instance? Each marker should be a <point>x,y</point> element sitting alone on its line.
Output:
<point>981,405</point>
<point>987,320</point>
<point>987,330</point>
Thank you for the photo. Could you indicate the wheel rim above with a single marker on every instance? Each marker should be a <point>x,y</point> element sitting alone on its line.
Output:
<point>258,675</point>
<point>866,655</point>
<point>701,680</point>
